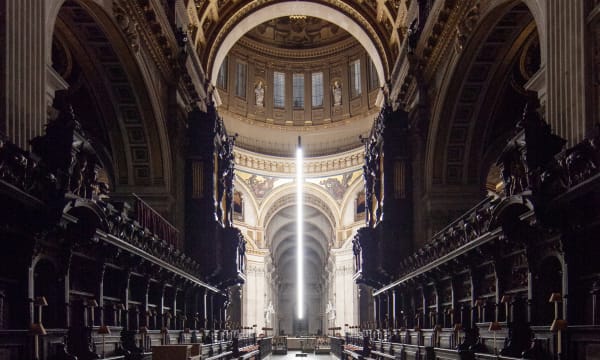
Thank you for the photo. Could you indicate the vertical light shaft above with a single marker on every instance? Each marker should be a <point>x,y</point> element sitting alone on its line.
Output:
<point>299,231</point>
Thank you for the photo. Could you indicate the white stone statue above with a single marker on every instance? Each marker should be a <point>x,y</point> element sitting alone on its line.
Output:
<point>330,310</point>
<point>337,93</point>
<point>269,310</point>
<point>259,92</point>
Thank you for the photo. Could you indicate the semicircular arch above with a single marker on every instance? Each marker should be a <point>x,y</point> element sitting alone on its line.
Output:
<point>314,196</point>
<point>455,115</point>
<point>248,17</point>
<point>137,133</point>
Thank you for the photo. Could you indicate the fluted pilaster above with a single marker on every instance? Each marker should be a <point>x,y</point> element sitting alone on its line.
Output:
<point>566,69</point>
<point>23,104</point>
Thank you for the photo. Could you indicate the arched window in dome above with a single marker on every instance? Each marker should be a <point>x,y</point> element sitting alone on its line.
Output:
<point>278,89</point>
<point>298,90</point>
<point>372,73</point>
<point>240,84</point>
<point>355,83</point>
<point>317,89</point>
<point>222,77</point>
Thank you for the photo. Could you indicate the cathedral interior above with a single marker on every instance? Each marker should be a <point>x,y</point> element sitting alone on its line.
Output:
<point>449,196</point>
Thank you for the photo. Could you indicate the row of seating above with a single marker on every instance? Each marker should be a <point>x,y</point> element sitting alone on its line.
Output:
<point>206,352</point>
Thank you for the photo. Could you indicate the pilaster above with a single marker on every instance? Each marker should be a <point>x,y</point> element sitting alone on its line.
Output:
<point>22,70</point>
<point>566,107</point>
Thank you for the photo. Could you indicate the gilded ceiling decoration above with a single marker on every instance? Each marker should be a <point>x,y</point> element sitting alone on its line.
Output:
<point>383,20</point>
<point>335,185</point>
<point>293,32</point>
<point>299,34</point>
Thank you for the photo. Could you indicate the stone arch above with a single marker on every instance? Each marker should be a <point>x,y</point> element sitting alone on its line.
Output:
<point>234,29</point>
<point>454,154</point>
<point>136,135</point>
<point>286,195</point>
<point>318,237</point>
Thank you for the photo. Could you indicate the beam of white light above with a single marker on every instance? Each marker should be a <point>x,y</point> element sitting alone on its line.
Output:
<point>299,235</point>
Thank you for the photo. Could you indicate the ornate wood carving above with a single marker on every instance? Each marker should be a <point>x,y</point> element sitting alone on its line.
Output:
<point>387,199</point>
<point>210,187</point>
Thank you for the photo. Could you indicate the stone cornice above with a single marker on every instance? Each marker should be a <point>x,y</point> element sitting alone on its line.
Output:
<point>442,33</point>
<point>285,167</point>
<point>297,54</point>
<point>446,22</point>
<point>148,24</point>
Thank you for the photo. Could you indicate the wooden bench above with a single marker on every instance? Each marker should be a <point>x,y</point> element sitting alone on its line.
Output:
<point>323,350</point>
<point>356,352</point>
<point>108,346</point>
<point>223,355</point>
<point>353,354</point>
<point>176,352</point>
<point>251,354</point>
<point>380,355</point>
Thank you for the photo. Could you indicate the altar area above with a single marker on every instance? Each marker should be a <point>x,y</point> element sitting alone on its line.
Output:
<point>304,344</point>
<point>307,344</point>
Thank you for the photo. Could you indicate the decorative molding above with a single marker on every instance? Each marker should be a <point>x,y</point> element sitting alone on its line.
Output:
<point>153,29</point>
<point>448,25</point>
<point>309,199</point>
<point>302,54</point>
<point>435,48</point>
<point>129,27</point>
<point>274,166</point>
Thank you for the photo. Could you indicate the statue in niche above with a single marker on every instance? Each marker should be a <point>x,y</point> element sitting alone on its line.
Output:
<point>269,310</point>
<point>259,92</point>
<point>337,93</point>
<point>330,310</point>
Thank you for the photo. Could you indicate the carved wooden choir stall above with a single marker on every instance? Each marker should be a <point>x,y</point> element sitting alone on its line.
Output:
<point>92,277</point>
<point>498,280</point>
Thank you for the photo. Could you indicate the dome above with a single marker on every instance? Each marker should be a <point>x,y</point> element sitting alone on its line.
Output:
<point>298,76</point>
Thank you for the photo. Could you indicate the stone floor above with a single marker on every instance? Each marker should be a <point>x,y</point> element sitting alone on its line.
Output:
<point>291,355</point>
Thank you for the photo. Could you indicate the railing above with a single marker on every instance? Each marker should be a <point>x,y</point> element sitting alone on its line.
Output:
<point>19,169</point>
<point>127,233</point>
<point>149,218</point>
<point>337,346</point>
<point>561,177</point>
<point>265,346</point>
<point>473,225</point>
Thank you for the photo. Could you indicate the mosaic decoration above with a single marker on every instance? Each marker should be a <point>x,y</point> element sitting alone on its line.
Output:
<point>261,185</point>
<point>336,185</point>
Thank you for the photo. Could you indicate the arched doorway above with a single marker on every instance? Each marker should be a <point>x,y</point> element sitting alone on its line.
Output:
<point>281,234</point>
